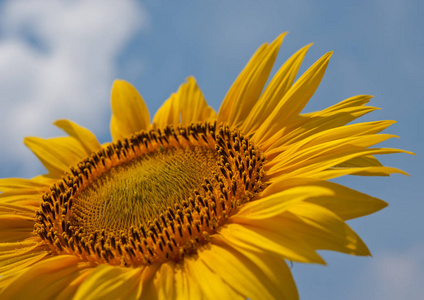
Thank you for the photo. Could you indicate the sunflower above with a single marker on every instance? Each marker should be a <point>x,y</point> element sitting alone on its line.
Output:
<point>195,204</point>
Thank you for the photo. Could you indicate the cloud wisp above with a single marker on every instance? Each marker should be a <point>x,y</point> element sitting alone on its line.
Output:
<point>393,275</point>
<point>58,60</point>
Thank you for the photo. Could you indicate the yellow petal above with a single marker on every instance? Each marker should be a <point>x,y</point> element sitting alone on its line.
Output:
<point>277,203</point>
<point>325,169</point>
<point>271,270</point>
<point>293,101</point>
<point>146,288</point>
<point>110,282</point>
<point>186,106</point>
<point>164,281</point>
<point>334,116</point>
<point>345,202</point>
<point>323,127</point>
<point>45,179</point>
<point>15,227</point>
<point>186,287</point>
<point>9,251</point>
<point>129,112</point>
<point>87,139</point>
<point>211,284</point>
<point>348,203</point>
<point>19,183</point>
<point>237,271</point>
<point>305,227</point>
<point>252,236</point>
<point>28,198</point>
<point>14,195</point>
<point>306,153</point>
<point>16,221</point>
<point>45,279</point>
<point>274,92</point>
<point>248,86</point>
<point>56,154</point>
<point>320,228</point>
<point>114,129</point>
<point>352,130</point>
<point>7,184</point>
<point>15,234</point>
<point>362,171</point>
<point>363,162</point>
<point>14,264</point>
<point>19,210</point>
<point>69,291</point>
<point>358,100</point>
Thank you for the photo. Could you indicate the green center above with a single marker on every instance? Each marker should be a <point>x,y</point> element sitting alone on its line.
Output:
<point>134,193</point>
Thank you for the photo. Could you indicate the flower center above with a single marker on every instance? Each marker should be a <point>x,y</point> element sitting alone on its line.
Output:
<point>131,194</point>
<point>153,197</point>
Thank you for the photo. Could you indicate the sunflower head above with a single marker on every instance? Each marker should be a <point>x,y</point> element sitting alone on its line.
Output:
<point>195,204</point>
<point>152,197</point>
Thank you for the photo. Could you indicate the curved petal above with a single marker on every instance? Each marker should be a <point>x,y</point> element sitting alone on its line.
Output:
<point>307,153</point>
<point>293,101</point>
<point>272,270</point>
<point>185,287</point>
<point>211,283</point>
<point>327,135</point>
<point>320,228</point>
<point>28,198</point>
<point>45,279</point>
<point>173,281</point>
<point>248,86</point>
<point>87,139</point>
<point>56,154</point>
<point>146,288</point>
<point>331,173</point>
<point>185,106</point>
<point>20,183</point>
<point>13,264</point>
<point>358,100</point>
<point>15,256</point>
<point>352,105</point>
<point>164,281</point>
<point>8,184</point>
<point>69,291</point>
<point>240,273</point>
<point>363,162</point>
<point>302,228</point>
<point>129,112</point>
<point>277,203</point>
<point>110,282</point>
<point>251,236</point>
<point>274,92</point>
<point>344,202</point>
<point>325,168</point>
<point>321,125</point>
<point>19,210</point>
<point>16,227</point>
<point>21,197</point>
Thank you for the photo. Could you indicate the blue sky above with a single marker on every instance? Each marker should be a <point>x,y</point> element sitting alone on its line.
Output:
<point>58,60</point>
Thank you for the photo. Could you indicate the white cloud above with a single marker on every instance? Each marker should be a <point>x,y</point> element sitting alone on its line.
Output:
<point>394,275</point>
<point>401,274</point>
<point>57,60</point>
